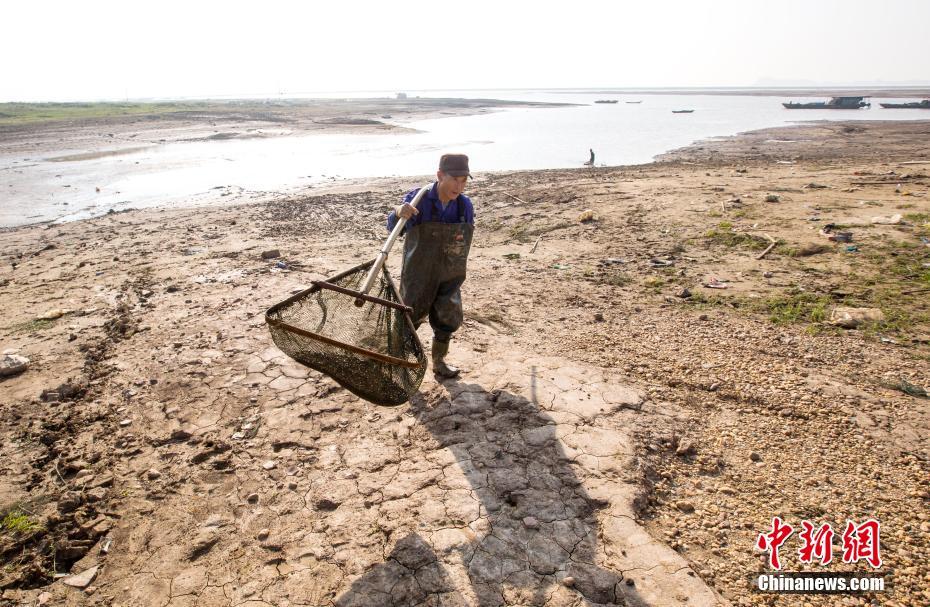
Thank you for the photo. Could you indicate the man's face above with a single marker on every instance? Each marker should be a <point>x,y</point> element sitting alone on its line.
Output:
<point>450,187</point>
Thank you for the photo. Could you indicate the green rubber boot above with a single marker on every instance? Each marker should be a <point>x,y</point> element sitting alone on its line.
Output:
<point>440,368</point>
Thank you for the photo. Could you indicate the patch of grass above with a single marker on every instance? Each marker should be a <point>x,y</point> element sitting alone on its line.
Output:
<point>797,307</point>
<point>917,218</point>
<point>31,326</point>
<point>18,522</point>
<point>30,113</point>
<point>724,235</point>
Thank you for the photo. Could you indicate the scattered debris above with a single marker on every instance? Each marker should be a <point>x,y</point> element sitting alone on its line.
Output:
<point>850,318</point>
<point>53,314</point>
<point>715,283</point>
<point>828,231</point>
<point>892,220</point>
<point>83,579</point>
<point>587,216</point>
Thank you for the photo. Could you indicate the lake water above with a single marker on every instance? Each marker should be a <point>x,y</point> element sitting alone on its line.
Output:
<point>510,139</point>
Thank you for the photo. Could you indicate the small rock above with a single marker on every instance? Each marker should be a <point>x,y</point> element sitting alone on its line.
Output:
<point>703,317</point>
<point>598,317</point>
<point>252,498</point>
<point>326,505</point>
<point>767,274</point>
<point>53,314</point>
<point>263,535</point>
<point>568,581</point>
<point>685,506</point>
<point>269,465</point>
<point>684,293</point>
<point>125,422</point>
<point>44,598</point>
<point>69,502</point>
<point>686,448</point>
<point>755,457</point>
<point>273,253</point>
<point>83,579</point>
<point>13,364</point>
<point>153,474</point>
<point>772,198</point>
<point>786,412</point>
<point>850,318</point>
<point>95,495</point>
<point>530,522</point>
<point>292,486</point>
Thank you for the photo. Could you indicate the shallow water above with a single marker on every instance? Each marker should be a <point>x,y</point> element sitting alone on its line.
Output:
<point>39,189</point>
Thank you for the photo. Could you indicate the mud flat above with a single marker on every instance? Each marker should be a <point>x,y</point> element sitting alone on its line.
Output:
<point>644,391</point>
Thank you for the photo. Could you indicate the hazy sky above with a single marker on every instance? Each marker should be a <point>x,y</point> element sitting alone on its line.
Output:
<point>113,50</point>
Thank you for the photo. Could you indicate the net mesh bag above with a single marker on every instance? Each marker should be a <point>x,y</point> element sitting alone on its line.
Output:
<point>371,350</point>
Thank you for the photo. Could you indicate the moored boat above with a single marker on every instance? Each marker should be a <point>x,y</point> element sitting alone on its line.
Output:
<point>912,105</point>
<point>605,101</point>
<point>836,103</point>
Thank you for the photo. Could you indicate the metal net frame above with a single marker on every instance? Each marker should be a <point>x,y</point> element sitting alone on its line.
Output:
<point>366,342</point>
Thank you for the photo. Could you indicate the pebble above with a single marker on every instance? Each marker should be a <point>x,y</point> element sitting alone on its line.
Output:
<point>269,465</point>
<point>263,535</point>
<point>530,522</point>
<point>13,364</point>
<point>125,422</point>
<point>685,506</point>
<point>755,457</point>
<point>153,474</point>
<point>252,498</point>
<point>686,448</point>
<point>568,581</point>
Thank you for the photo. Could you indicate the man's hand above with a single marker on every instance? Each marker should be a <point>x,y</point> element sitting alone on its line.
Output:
<point>406,211</point>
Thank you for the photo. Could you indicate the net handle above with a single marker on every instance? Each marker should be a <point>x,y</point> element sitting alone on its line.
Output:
<point>382,256</point>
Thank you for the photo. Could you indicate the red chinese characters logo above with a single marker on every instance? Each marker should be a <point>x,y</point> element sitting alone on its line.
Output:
<point>773,540</point>
<point>861,542</point>
<point>816,545</point>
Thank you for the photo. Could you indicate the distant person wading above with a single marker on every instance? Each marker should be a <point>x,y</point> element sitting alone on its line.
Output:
<point>438,238</point>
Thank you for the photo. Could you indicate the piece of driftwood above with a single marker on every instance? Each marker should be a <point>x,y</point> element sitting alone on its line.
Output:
<point>515,198</point>
<point>769,248</point>
<point>535,244</point>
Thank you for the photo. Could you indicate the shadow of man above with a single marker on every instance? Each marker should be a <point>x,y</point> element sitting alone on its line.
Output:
<point>538,524</point>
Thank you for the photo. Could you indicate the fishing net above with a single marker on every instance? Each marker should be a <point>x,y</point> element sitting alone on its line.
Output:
<point>371,349</point>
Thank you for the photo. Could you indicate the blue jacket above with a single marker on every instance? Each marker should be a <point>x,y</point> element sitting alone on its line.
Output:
<point>459,210</point>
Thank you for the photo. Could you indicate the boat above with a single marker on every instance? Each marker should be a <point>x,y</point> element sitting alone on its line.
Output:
<point>914,105</point>
<point>640,101</point>
<point>682,111</point>
<point>835,103</point>
<point>605,101</point>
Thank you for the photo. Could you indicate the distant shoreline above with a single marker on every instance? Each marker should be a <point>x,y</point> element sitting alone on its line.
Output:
<point>917,91</point>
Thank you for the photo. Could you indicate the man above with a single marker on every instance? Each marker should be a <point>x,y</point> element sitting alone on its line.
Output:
<point>438,239</point>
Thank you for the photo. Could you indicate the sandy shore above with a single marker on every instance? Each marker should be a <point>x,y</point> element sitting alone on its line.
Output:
<point>644,391</point>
